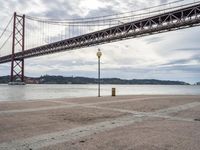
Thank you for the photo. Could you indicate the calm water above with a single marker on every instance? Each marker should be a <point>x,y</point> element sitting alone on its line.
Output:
<point>34,92</point>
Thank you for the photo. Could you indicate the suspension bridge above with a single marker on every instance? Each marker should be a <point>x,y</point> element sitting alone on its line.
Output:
<point>26,36</point>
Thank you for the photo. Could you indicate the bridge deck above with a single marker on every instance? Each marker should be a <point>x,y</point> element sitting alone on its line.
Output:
<point>123,122</point>
<point>169,21</point>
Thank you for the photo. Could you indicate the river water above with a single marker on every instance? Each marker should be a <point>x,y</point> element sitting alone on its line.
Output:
<point>34,92</point>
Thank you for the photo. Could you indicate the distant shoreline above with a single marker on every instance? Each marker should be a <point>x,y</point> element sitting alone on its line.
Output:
<point>47,79</point>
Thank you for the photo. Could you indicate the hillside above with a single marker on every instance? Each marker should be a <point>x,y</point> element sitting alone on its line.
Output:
<point>83,80</point>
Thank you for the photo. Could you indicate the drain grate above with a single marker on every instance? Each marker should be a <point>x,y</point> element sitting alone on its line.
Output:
<point>197,119</point>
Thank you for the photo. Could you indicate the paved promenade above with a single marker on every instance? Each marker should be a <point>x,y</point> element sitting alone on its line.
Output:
<point>108,123</point>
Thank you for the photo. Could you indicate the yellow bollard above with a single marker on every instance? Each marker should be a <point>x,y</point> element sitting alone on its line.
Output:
<point>113,92</point>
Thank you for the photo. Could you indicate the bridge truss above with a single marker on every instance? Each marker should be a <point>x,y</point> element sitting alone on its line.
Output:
<point>176,19</point>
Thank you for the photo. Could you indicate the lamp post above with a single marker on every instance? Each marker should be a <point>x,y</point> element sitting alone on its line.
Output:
<point>99,54</point>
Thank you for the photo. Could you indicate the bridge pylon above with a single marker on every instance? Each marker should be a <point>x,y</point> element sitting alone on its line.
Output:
<point>17,64</point>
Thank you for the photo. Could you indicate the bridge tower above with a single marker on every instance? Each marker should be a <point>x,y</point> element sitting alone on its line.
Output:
<point>17,65</point>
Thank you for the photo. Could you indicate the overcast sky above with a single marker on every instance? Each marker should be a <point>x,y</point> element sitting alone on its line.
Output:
<point>167,56</point>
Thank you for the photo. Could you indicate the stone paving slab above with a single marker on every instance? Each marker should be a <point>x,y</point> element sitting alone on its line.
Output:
<point>153,134</point>
<point>122,122</point>
<point>22,125</point>
<point>89,100</point>
<point>107,99</point>
<point>153,104</point>
<point>25,105</point>
<point>193,113</point>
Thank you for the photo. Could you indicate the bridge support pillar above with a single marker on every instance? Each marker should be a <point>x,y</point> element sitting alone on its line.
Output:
<point>17,65</point>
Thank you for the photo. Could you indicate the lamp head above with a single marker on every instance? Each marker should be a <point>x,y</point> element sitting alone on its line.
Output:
<point>99,53</point>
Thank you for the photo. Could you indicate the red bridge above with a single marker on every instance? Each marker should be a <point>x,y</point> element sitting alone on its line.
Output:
<point>110,29</point>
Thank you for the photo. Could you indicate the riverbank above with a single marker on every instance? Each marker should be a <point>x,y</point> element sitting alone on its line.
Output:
<point>47,79</point>
<point>122,122</point>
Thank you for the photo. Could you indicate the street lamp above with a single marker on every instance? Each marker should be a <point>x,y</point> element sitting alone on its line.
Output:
<point>99,54</point>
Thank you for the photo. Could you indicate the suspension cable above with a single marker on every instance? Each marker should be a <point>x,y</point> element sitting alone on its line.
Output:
<point>5,29</point>
<point>43,31</point>
<point>110,17</point>
<point>5,41</point>
<point>109,20</point>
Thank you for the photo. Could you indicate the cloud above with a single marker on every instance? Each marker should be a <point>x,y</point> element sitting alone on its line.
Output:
<point>154,40</point>
<point>188,49</point>
<point>172,55</point>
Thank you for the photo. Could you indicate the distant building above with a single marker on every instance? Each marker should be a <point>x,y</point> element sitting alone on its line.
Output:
<point>32,81</point>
